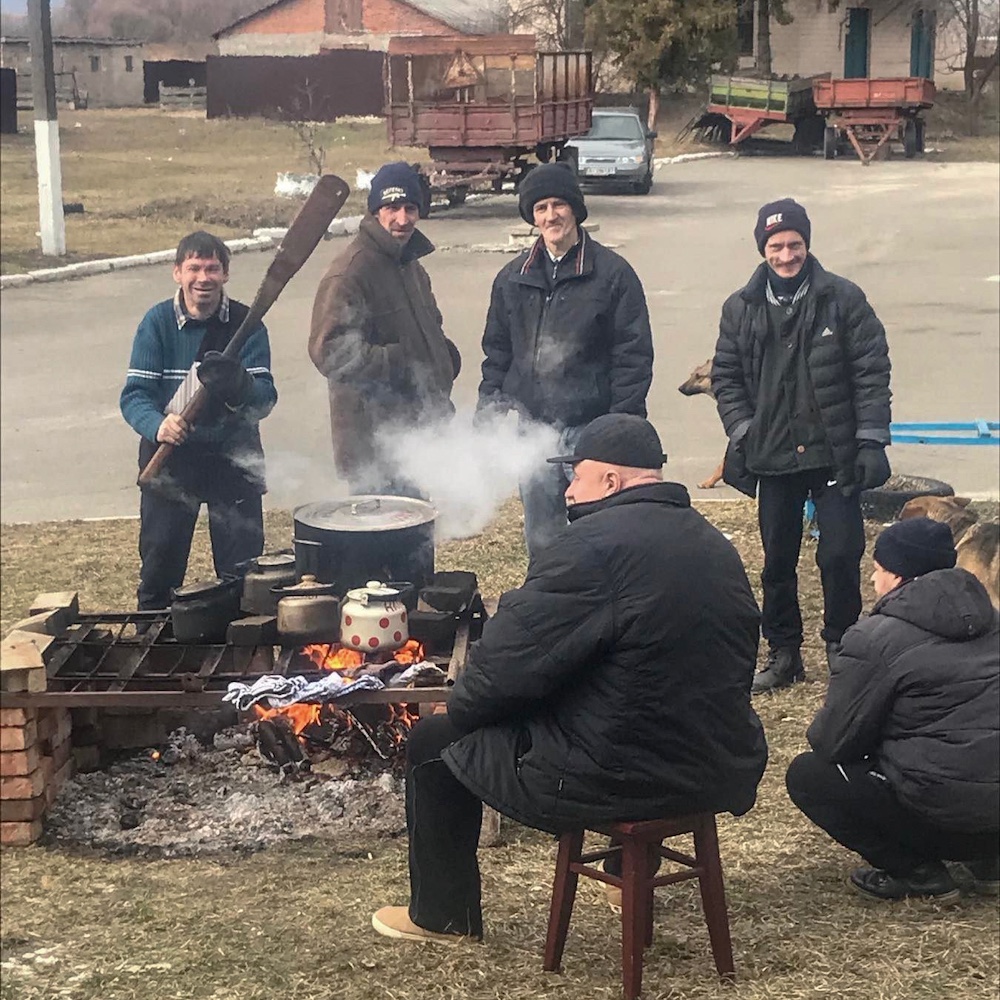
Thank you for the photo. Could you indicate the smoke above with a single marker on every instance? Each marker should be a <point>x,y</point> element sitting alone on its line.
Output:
<point>468,470</point>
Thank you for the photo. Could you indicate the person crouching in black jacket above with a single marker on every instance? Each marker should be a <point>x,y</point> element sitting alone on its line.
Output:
<point>801,380</point>
<point>614,684</point>
<point>906,750</point>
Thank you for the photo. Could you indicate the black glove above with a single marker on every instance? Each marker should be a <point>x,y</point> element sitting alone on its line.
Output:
<point>225,378</point>
<point>871,468</point>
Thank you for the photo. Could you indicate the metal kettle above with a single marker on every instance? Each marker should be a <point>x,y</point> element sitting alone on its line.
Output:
<point>374,618</point>
<point>309,611</point>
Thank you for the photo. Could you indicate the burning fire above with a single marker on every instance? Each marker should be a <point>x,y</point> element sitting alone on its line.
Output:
<point>333,656</point>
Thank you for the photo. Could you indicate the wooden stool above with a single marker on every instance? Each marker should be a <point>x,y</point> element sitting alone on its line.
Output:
<point>640,845</point>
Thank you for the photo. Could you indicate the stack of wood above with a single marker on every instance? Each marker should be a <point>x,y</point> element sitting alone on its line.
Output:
<point>35,743</point>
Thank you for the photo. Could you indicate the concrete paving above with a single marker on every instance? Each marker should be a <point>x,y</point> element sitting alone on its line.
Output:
<point>919,237</point>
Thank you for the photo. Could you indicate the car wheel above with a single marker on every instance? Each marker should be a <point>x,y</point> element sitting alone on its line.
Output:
<point>886,501</point>
<point>645,185</point>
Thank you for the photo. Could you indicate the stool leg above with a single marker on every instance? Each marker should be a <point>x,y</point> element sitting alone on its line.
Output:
<point>653,860</point>
<point>563,896</point>
<point>636,913</point>
<point>713,897</point>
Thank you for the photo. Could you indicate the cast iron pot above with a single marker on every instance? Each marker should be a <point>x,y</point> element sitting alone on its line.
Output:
<point>202,611</point>
<point>348,542</point>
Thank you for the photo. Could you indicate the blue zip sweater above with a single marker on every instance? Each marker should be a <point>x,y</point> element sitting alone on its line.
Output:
<point>223,457</point>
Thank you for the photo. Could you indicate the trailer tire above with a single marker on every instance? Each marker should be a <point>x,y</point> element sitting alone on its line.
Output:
<point>921,126</point>
<point>829,142</point>
<point>456,195</point>
<point>424,208</point>
<point>569,154</point>
<point>910,143</point>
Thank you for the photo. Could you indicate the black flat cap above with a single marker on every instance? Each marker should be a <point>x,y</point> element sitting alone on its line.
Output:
<point>618,439</point>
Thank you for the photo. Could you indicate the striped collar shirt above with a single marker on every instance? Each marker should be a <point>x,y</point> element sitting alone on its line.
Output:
<point>182,316</point>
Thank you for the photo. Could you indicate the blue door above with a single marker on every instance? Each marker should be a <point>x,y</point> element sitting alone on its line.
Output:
<point>922,43</point>
<point>856,42</point>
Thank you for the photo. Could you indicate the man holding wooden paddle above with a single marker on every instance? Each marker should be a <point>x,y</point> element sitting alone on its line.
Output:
<point>220,462</point>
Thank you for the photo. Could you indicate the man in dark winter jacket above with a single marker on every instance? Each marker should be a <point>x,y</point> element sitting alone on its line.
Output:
<point>219,462</point>
<point>567,336</point>
<point>614,684</point>
<point>801,380</point>
<point>377,335</point>
<point>906,750</point>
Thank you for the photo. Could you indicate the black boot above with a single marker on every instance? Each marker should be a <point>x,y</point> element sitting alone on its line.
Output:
<point>986,876</point>
<point>927,881</point>
<point>784,668</point>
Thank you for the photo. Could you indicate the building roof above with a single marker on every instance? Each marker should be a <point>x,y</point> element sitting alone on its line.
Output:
<point>472,17</point>
<point>71,40</point>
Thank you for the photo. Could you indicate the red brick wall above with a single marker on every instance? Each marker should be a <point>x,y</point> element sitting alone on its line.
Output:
<point>391,17</point>
<point>297,17</point>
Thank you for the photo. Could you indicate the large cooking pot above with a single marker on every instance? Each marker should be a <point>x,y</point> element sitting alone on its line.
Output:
<point>351,541</point>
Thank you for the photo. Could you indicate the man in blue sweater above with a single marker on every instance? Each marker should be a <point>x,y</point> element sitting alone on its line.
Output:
<point>219,462</point>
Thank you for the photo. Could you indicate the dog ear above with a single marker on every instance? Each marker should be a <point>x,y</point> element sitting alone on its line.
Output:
<point>962,501</point>
<point>917,507</point>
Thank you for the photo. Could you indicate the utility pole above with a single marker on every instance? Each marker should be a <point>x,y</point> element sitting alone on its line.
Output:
<point>47,162</point>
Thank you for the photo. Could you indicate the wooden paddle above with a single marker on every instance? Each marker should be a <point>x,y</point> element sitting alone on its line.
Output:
<point>305,232</point>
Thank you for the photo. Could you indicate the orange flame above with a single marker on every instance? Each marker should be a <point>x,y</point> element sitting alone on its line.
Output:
<point>333,656</point>
<point>299,715</point>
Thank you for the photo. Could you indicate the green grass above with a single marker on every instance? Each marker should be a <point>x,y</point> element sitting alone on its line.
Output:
<point>293,922</point>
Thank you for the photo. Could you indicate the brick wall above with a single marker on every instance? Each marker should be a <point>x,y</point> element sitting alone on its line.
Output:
<point>814,41</point>
<point>295,17</point>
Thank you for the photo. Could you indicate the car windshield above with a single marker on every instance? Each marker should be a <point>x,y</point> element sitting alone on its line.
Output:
<point>621,127</point>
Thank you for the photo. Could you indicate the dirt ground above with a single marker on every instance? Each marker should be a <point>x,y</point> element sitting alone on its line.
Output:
<point>293,921</point>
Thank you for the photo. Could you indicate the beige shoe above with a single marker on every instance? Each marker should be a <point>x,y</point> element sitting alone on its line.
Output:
<point>395,922</point>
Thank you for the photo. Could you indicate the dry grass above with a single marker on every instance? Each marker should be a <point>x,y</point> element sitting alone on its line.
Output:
<point>146,177</point>
<point>293,922</point>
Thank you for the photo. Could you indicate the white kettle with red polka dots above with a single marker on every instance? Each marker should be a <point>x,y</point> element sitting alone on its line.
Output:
<point>373,618</point>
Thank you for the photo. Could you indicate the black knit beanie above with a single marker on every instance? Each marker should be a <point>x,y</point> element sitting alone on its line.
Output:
<point>915,546</point>
<point>776,217</point>
<point>393,183</point>
<point>550,180</point>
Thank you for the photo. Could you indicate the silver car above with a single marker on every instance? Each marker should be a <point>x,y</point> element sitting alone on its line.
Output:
<point>617,150</point>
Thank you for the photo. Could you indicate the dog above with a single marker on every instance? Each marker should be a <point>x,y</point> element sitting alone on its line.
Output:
<point>697,383</point>
<point>977,544</point>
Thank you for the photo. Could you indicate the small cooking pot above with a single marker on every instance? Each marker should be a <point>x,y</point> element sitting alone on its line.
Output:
<point>373,618</point>
<point>202,611</point>
<point>309,611</point>
<point>264,574</point>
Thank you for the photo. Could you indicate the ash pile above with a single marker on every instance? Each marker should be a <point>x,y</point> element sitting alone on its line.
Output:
<point>187,799</point>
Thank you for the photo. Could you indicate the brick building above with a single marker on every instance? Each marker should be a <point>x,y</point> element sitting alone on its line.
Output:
<point>311,27</point>
<point>881,38</point>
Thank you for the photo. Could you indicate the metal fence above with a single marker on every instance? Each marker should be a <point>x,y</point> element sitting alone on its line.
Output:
<point>296,88</point>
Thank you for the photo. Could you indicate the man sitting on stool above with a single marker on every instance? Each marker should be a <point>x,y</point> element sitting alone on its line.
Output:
<point>613,685</point>
<point>906,750</point>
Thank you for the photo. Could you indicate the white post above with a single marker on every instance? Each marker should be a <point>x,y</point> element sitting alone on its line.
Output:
<point>50,206</point>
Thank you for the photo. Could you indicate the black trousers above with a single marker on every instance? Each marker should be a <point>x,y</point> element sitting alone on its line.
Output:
<point>166,527</point>
<point>859,809</point>
<point>780,500</point>
<point>442,819</point>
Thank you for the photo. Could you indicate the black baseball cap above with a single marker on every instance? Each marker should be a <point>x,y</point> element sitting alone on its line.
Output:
<point>618,439</point>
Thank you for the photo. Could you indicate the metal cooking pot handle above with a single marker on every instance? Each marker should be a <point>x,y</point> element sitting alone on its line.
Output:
<point>366,506</point>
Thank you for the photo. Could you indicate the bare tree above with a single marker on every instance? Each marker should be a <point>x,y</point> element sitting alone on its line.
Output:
<point>977,22</point>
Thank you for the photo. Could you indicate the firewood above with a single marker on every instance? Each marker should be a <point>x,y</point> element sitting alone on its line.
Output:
<point>67,600</point>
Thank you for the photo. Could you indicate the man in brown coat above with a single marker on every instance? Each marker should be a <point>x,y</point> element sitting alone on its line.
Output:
<point>377,335</point>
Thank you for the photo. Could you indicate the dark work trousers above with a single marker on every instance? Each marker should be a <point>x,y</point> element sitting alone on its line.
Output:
<point>859,809</point>
<point>543,496</point>
<point>442,819</point>
<point>841,545</point>
<point>166,526</point>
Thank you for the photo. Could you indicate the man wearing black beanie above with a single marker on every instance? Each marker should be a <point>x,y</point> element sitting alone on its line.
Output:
<point>905,760</point>
<point>567,336</point>
<point>801,380</point>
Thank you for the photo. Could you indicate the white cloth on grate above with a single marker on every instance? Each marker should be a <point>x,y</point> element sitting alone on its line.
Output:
<point>423,669</point>
<point>279,691</point>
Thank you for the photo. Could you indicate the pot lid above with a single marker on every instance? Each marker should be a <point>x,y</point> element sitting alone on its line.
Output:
<point>275,560</point>
<point>198,588</point>
<point>369,512</point>
<point>375,591</point>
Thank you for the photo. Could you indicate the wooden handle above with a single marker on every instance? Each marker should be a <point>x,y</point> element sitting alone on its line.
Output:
<point>305,232</point>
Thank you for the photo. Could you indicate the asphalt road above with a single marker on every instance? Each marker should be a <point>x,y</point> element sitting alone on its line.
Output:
<point>920,238</point>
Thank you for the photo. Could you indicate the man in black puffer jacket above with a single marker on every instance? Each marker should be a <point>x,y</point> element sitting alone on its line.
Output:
<point>801,380</point>
<point>906,750</point>
<point>614,684</point>
<point>567,336</point>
